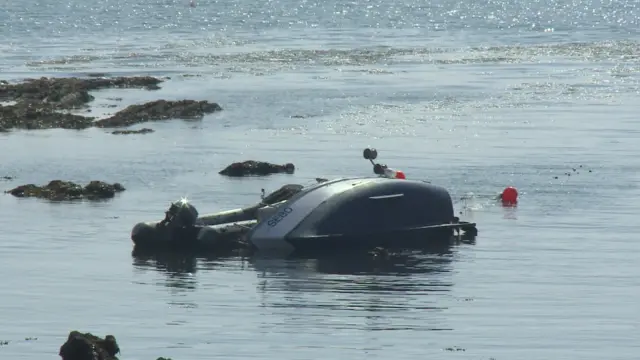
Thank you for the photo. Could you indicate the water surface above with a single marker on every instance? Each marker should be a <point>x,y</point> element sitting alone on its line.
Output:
<point>474,96</point>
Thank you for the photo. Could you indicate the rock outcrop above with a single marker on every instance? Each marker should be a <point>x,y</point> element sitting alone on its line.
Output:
<point>41,104</point>
<point>69,93</point>
<point>58,190</point>
<point>89,347</point>
<point>256,168</point>
<point>37,116</point>
<point>158,110</point>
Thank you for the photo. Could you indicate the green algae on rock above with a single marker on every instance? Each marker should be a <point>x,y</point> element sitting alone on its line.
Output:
<point>58,190</point>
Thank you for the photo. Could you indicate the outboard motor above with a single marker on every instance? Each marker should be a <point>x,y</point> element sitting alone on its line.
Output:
<point>381,169</point>
<point>181,214</point>
<point>177,227</point>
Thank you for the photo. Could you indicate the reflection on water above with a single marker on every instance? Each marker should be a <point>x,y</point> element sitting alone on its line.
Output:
<point>171,264</point>
<point>405,290</point>
<point>362,289</point>
<point>179,276</point>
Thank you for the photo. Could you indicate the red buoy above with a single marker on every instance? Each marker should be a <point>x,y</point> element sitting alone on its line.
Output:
<point>400,175</point>
<point>509,196</point>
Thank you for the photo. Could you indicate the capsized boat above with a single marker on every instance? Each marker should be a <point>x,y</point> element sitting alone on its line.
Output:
<point>386,210</point>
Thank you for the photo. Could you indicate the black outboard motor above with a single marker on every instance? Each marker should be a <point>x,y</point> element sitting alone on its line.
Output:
<point>179,222</point>
<point>181,214</point>
<point>178,228</point>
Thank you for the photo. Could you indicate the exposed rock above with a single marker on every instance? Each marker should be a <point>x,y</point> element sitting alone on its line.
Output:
<point>31,117</point>
<point>89,347</point>
<point>128,132</point>
<point>66,190</point>
<point>39,104</point>
<point>159,110</point>
<point>67,93</point>
<point>256,168</point>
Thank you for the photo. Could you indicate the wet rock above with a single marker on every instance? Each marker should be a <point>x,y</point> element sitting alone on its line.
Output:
<point>65,190</point>
<point>128,132</point>
<point>101,190</point>
<point>66,93</point>
<point>39,104</point>
<point>256,168</point>
<point>89,347</point>
<point>32,116</point>
<point>159,110</point>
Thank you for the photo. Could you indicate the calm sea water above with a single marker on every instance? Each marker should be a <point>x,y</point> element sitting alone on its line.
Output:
<point>472,95</point>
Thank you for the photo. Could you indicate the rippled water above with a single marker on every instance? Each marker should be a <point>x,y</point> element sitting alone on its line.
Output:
<point>471,95</point>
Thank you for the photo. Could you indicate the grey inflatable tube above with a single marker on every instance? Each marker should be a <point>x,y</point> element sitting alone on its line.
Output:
<point>211,231</point>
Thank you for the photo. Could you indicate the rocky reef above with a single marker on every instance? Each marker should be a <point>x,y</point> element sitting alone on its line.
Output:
<point>58,190</point>
<point>256,168</point>
<point>159,110</point>
<point>45,104</point>
<point>67,93</point>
